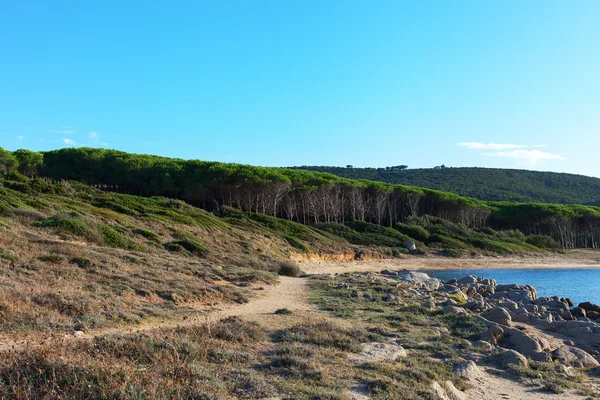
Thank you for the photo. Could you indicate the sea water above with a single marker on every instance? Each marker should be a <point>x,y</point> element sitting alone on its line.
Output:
<point>579,284</point>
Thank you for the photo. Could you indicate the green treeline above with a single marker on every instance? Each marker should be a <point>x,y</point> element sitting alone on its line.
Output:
<point>488,184</point>
<point>307,197</point>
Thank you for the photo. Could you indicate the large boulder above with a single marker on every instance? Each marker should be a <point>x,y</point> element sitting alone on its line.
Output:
<point>511,357</point>
<point>499,315</point>
<point>377,352</point>
<point>419,278</point>
<point>493,335</point>
<point>587,306</point>
<point>578,312</point>
<point>466,369</point>
<point>410,245</point>
<point>570,355</point>
<point>454,310</point>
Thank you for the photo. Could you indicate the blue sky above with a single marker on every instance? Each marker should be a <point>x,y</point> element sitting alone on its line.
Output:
<point>465,83</point>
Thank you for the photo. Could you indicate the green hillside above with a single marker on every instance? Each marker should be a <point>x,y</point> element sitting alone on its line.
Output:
<point>491,184</point>
<point>303,197</point>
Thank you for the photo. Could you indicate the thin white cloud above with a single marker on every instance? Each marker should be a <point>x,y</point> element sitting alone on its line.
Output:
<point>68,141</point>
<point>20,137</point>
<point>93,134</point>
<point>490,146</point>
<point>532,155</point>
<point>65,131</point>
<point>104,144</point>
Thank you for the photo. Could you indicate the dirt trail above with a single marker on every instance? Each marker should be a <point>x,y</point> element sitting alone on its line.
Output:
<point>292,293</point>
<point>491,384</point>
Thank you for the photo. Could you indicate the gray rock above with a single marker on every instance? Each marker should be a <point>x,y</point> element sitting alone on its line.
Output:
<point>437,392</point>
<point>419,278</point>
<point>410,245</point>
<point>483,346</point>
<point>466,369</point>
<point>587,306</point>
<point>452,392</point>
<point>511,357</point>
<point>430,304</point>
<point>454,310</point>
<point>568,316</point>
<point>578,312</point>
<point>499,315</point>
<point>569,355</point>
<point>468,280</point>
<point>493,335</point>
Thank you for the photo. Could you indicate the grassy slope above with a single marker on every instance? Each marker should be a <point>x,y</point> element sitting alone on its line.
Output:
<point>72,257</point>
<point>90,259</point>
<point>488,183</point>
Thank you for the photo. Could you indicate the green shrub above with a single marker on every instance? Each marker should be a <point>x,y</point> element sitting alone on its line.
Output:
<point>187,242</point>
<point>113,238</point>
<point>414,231</point>
<point>446,242</point>
<point>52,259</point>
<point>289,268</point>
<point>81,262</point>
<point>146,233</point>
<point>69,226</point>
<point>541,241</point>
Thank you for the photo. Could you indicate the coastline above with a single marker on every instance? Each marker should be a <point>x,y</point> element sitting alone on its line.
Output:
<point>577,259</point>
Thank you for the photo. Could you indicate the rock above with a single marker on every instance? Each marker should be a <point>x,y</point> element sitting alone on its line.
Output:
<point>452,392</point>
<point>454,310</point>
<point>376,352</point>
<point>388,297</point>
<point>493,335</point>
<point>419,278</point>
<point>483,346</point>
<point>570,302</point>
<point>466,369</point>
<point>593,315</point>
<point>511,357</point>
<point>587,306</point>
<point>568,316</point>
<point>563,369</point>
<point>524,343</point>
<point>438,392</point>
<point>578,312</point>
<point>569,355</point>
<point>78,334</point>
<point>429,304</point>
<point>468,280</point>
<point>410,245</point>
<point>532,308</point>
<point>448,302</point>
<point>499,315</point>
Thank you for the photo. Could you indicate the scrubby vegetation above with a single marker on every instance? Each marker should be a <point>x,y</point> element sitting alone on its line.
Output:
<point>251,194</point>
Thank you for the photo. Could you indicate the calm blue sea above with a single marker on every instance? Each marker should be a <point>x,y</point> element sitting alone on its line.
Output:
<point>578,284</point>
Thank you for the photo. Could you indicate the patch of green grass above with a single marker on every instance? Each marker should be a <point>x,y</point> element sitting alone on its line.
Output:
<point>147,233</point>
<point>70,227</point>
<point>187,242</point>
<point>111,237</point>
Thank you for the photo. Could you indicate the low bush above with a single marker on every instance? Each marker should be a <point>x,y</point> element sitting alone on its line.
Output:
<point>289,268</point>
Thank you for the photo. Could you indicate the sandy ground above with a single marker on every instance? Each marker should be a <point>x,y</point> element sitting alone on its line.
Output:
<point>492,384</point>
<point>574,259</point>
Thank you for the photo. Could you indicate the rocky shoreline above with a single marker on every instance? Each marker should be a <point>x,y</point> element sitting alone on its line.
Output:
<point>521,325</point>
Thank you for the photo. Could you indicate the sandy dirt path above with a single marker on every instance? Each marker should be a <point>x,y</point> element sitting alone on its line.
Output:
<point>293,294</point>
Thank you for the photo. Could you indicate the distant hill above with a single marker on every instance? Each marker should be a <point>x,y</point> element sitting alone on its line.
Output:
<point>489,184</point>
